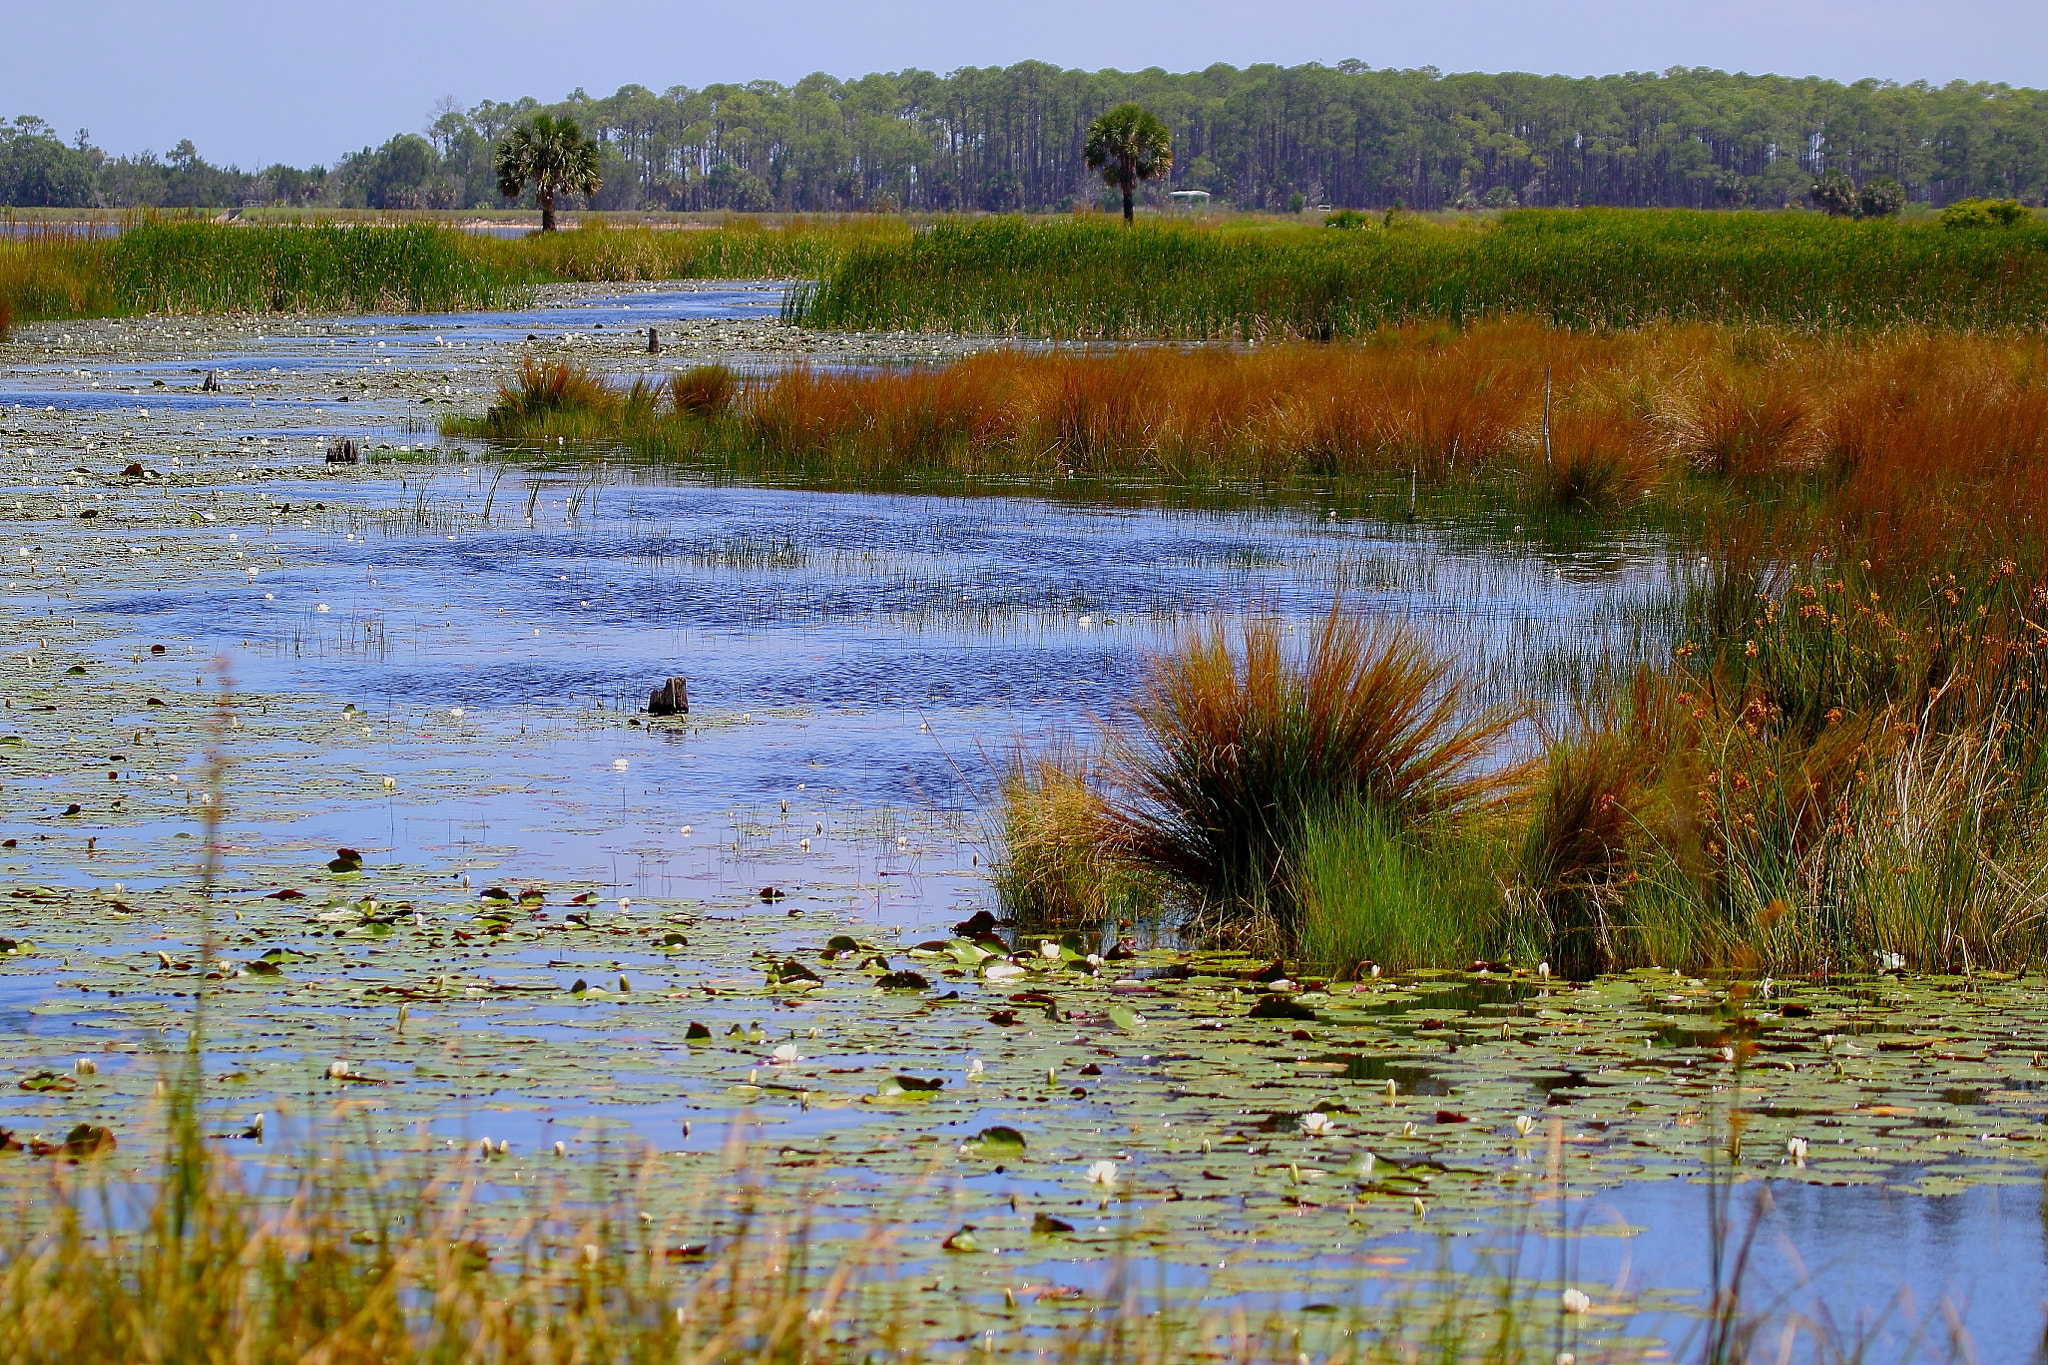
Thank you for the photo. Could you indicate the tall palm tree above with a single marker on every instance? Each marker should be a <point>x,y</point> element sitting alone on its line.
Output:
<point>553,156</point>
<point>1127,145</point>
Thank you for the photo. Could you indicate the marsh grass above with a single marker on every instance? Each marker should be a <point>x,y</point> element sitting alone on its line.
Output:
<point>1240,736</point>
<point>187,265</point>
<point>1058,869</point>
<point>1372,893</point>
<point>1918,452</point>
<point>351,1255</point>
<point>741,248</point>
<point>1582,268</point>
<point>1849,779</point>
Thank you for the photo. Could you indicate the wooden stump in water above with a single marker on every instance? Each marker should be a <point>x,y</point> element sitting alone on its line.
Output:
<point>653,342</point>
<point>212,384</point>
<point>343,452</point>
<point>672,698</point>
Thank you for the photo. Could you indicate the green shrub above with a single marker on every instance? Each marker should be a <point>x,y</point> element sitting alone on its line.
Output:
<point>1984,213</point>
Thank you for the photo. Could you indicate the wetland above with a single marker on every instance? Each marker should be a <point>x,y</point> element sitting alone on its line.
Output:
<point>334,782</point>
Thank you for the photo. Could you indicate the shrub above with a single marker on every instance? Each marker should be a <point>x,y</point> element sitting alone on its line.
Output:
<point>1880,197</point>
<point>1983,213</point>
<point>1834,194</point>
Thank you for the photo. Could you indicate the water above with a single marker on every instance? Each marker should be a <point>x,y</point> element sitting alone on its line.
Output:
<point>860,668</point>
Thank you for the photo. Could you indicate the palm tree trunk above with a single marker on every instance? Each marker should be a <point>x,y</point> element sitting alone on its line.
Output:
<point>1129,184</point>
<point>547,212</point>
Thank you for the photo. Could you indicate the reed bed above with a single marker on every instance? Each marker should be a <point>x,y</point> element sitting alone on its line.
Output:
<point>186,265</point>
<point>1858,781</point>
<point>1918,451</point>
<point>1582,268</point>
<point>805,247</point>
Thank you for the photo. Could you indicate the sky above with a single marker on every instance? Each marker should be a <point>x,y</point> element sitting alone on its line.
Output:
<point>303,81</point>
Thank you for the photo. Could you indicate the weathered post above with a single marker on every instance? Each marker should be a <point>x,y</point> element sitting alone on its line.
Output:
<point>672,698</point>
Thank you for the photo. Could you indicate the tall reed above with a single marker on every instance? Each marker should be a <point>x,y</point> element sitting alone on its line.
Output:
<point>191,265</point>
<point>1915,451</point>
<point>1582,268</point>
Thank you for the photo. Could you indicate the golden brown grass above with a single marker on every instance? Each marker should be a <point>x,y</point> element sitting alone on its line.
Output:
<point>1915,451</point>
<point>1241,736</point>
<point>1059,868</point>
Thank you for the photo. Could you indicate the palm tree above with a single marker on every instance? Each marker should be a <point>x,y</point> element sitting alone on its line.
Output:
<point>553,156</point>
<point>1127,145</point>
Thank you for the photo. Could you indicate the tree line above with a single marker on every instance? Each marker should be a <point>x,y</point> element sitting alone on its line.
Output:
<point>1265,137</point>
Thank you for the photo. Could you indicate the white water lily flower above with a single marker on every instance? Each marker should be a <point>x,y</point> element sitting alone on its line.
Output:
<point>621,764</point>
<point>1317,1125</point>
<point>1575,1301</point>
<point>1796,1149</point>
<point>1102,1173</point>
<point>457,713</point>
<point>785,1053</point>
<point>975,1070</point>
<point>1524,1125</point>
<point>1047,948</point>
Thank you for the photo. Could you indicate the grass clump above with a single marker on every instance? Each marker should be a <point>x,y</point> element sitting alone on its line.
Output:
<point>1237,747</point>
<point>1237,739</point>
<point>1847,783</point>
<point>1060,870</point>
<point>1374,893</point>
<point>1852,785</point>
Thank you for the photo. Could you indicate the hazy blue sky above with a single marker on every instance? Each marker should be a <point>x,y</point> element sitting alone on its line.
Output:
<point>306,80</point>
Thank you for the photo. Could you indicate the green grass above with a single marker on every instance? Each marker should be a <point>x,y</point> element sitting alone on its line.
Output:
<point>1373,893</point>
<point>190,265</point>
<point>1587,268</point>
